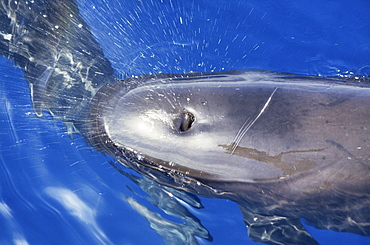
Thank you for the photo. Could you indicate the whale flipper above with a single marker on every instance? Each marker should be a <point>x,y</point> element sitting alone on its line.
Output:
<point>170,201</point>
<point>276,229</point>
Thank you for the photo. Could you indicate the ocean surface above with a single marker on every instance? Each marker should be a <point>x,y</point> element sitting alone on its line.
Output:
<point>56,189</point>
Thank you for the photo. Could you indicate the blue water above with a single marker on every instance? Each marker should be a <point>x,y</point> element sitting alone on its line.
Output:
<point>58,190</point>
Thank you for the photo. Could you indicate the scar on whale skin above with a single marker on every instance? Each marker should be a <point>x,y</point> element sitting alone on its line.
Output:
<point>291,165</point>
<point>248,124</point>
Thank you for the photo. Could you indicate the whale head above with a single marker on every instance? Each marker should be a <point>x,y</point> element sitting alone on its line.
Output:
<point>190,124</point>
<point>271,142</point>
<point>245,126</point>
<point>236,126</point>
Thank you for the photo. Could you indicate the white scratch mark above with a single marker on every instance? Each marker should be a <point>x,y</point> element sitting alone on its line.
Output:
<point>247,124</point>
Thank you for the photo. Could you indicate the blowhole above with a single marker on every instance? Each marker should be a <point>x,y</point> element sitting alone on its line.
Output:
<point>184,121</point>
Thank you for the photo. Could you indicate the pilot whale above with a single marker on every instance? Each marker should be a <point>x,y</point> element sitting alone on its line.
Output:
<point>284,147</point>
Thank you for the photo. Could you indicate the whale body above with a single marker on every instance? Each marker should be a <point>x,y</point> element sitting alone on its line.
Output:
<point>284,147</point>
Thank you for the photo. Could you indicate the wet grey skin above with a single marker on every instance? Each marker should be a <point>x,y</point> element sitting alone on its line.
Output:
<point>284,147</point>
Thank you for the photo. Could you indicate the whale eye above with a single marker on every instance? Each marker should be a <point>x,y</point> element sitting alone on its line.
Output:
<point>184,121</point>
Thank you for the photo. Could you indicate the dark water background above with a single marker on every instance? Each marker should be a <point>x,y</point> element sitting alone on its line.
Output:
<point>54,190</point>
